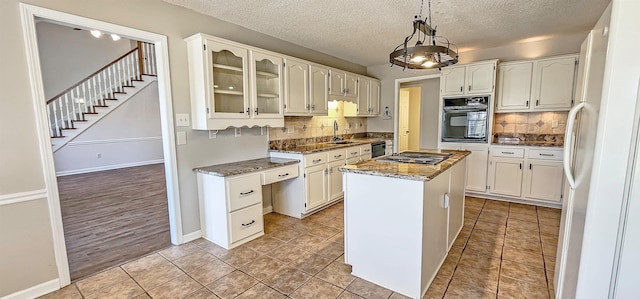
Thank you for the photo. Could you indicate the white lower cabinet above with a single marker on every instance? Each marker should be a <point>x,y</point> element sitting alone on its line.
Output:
<point>477,162</point>
<point>528,173</point>
<point>505,176</point>
<point>320,184</point>
<point>456,201</point>
<point>231,208</point>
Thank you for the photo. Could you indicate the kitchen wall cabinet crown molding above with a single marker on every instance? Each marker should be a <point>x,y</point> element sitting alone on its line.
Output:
<point>537,85</point>
<point>471,79</point>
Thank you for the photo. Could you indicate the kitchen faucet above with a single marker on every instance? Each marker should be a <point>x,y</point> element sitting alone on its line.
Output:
<point>335,130</point>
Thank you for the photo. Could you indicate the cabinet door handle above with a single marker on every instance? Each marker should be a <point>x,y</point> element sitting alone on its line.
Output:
<point>313,107</point>
<point>248,111</point>
<point>337,156</point>
<point>460,88</point>
<point>529,166</point>
<point>546,155</point>
<point>249,224</point>
<point>508,153</point>
<point>308,106</point>
<point>537,102</point>
<point>283,175</point>
<point>520,165</point>
<point>469,87</point>
<point>317,161</point>
<point>257,111</point>
<point>246,193</point>
<point>527,103</point>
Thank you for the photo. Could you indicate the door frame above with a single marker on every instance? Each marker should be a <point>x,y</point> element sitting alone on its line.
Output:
<point>29,13</point>
<point>396,112</point>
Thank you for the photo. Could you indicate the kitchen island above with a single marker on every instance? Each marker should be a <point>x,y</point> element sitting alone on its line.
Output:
<point>401,219</point>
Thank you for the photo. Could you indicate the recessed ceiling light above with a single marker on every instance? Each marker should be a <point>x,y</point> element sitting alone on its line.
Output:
<point>96,33</point>
<point>115,37</point>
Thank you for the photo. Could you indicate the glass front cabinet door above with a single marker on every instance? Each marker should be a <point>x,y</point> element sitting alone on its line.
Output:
<point>266,89</point>
<point>228,73</point>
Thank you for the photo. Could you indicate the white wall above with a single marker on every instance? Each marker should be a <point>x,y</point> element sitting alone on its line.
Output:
<point>128,136</point>
<point>552,46</point>
<point>68,56</point>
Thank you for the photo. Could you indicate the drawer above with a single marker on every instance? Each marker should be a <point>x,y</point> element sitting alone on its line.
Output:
<point>279,174</point>
<point>545,154</point>
<point>246,222</point>
<point>365,149</point>
<point>244,191</point>
<point>507,152</point>
<point>353,152</point>
<point>365,157</point>
<point>315,159</point>
<point>353,160</point>
<point>336,155</point>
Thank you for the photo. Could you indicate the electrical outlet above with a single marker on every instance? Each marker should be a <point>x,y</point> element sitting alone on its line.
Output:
<point>182,119</point>
<point>181,138</point>
<point>554,123</point>
<point>238,132</point>
<point>98,155</point>
<point>291,130</point>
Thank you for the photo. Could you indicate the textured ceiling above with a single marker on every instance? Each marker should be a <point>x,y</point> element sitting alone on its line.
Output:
<point>365,31</point>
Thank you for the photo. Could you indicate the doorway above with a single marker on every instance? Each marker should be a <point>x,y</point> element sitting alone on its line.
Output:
<point>30,16</point>
<point>418,117</point>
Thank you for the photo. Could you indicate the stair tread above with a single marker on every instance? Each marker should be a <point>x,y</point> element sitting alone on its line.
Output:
<point>121,92</point>
<point>100,106</point>
<point>68,128</point>
<point>58,136</point>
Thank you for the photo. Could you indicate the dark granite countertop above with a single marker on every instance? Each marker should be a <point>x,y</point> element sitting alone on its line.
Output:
<point>416,172</point>
<point>247,166</point>
<point>314,148</point>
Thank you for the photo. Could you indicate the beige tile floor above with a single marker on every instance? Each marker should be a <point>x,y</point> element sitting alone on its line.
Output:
<point>504,251</point>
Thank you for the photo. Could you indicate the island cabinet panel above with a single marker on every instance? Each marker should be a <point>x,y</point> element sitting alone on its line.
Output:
<point>404,223</point>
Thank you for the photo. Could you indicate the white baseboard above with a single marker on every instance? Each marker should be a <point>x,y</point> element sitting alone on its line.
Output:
<point>267,210</point>
<point>191,236</point>
<point>515,200</point>
<point>7,199</point>
<point>110,167</point>
<point>36,291</point>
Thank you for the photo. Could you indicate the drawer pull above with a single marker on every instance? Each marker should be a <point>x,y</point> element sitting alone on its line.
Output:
<point>246,193</point>
<point>283,175</point>
<point>546,155</point>
<point>354,153</point>
<point>508,153</point>
<point>317,161</point>
<point>248,224</point>
<point>337,156</point>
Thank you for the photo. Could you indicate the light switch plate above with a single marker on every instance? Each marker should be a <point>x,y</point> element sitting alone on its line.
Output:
<point>182,138</point>
<point>182,119</point>
<point>554,123</point>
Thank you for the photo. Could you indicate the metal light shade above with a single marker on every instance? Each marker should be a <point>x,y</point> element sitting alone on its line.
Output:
<point>421,56</point>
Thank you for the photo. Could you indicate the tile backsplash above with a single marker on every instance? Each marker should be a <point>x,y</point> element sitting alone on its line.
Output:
<point>319,126</point>
<point>529,123</point>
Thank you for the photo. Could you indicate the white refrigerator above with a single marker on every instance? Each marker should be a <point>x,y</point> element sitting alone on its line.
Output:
<point>580,143</point>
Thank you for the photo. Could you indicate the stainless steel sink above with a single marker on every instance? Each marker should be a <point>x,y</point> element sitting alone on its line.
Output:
<point>341,142</point>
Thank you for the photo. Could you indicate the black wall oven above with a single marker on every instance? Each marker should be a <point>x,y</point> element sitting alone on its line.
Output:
<point>465,119</point>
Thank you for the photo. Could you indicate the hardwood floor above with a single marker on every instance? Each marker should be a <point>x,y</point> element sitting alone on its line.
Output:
<point>113,216</point>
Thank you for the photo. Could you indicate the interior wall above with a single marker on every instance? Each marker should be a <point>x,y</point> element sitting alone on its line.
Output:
<point>415,94</point>
<point>68,56</point>
<point>552,46</point>
<point>429,112</point>
<point>128,136</point>
<point>21,163</point>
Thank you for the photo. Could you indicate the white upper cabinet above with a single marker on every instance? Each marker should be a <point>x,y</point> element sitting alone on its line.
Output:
<point>266,92</point>
<point>233,85</point>
<point>553,82</point>
<point>296,86</point>
<point>319,86</point>
<point>374,97</point>
<point>514,91</point>
<point>337,81</point>
<point>540,85</point>
<point>351,86</point>
<point>473,79</point>
<point>368,102</point>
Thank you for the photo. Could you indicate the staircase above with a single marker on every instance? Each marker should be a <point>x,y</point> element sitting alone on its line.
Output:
<point>83,104</point>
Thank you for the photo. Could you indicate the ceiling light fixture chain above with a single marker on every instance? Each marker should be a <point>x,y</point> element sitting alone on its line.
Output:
<point>424,56</point>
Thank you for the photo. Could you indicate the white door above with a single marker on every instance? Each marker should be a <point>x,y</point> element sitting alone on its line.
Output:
<point>319,85</point>
<point>505,177</point>
<point>452,81</point>
<point>363,96</point>
<point>543,180</point>
<point>403,122</point>
<point>335,180</point>
<point>480,78</point>
<point>477,163</point>
<point>336,82</point>
<point>553,81</point>
<point>316,186</point>
<point>296,86</point>
<point>374,97</point>
<point>515,86</point>
<point>351,86</point>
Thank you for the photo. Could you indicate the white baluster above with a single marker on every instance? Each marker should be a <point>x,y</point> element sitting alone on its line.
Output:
<point>108,82</point>
<point>120,75</point>
<point>68,112</point>
<point>61,109</point>
<point>127,69</point>
<point>51,119</point>
<point>73,106</point>
<point>86,99</point>
<point>94,83</point>
<point>152,54</point>
<point>55,126</point>
<point>136,64</point>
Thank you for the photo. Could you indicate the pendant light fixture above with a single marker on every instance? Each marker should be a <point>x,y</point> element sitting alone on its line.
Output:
<point>429,51</point>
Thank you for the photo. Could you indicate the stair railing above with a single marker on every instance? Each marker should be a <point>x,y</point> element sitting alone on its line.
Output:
<point>82,98</point>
